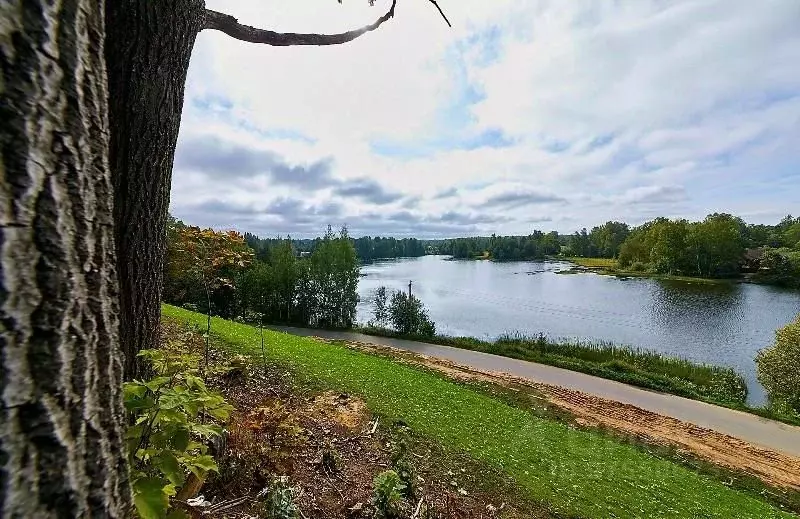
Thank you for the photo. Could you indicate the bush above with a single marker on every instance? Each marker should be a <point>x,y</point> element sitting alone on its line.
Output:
<point>174,415</point>
<point>388,495</point>
<point>409,317</point>
<point>638,266</point>
<point>779,368</point>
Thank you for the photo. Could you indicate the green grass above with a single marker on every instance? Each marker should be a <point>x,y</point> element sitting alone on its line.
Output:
<point>609,267</point>
<point>642,368</point>
<point>594,262</point>
<point>575,473</point>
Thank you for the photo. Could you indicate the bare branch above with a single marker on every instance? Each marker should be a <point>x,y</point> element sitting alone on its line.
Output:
<point>442,13</point>
<point>231,26</point>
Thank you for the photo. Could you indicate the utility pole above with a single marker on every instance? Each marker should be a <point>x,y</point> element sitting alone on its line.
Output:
<point>409,290</point>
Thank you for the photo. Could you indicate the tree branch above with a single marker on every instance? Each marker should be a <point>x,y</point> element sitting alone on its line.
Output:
<point>231,26</point>
<point>442,13</point>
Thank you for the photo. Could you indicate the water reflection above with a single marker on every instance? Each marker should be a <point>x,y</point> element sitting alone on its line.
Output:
<point>721,324</point>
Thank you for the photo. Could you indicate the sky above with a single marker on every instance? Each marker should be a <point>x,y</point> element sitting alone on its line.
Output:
<point>550,115</point>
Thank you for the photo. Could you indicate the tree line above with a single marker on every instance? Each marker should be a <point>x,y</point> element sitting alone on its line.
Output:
<point>719,246</point>
<point>367,248</point>
<point>219,273</point>
<point>535,246</point>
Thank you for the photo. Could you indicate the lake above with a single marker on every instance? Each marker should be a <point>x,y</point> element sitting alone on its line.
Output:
<point>724,324</point>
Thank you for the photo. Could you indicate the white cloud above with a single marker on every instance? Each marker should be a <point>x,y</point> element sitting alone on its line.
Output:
<point>620,108</point>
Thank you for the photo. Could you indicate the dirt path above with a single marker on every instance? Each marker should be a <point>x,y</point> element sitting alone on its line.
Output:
<point>775,468</point>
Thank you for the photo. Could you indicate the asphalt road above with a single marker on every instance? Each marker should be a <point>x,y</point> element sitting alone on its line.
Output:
<point>754,429</point>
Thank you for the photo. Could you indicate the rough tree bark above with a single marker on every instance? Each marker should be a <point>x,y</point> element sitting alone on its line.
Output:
<point>148,47</point>
<point>61,418</point>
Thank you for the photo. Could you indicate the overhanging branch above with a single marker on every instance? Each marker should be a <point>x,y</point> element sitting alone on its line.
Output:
<point>442,13</point>
<point>229,25</point>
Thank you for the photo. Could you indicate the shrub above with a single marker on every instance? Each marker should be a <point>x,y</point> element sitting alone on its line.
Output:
<point>401,465</point>
<point>388,495</point>
<point>174,415</point>
<point>408,316</point>
<point>638,266</point>
<point>280,501</point>
<point>779,368</point>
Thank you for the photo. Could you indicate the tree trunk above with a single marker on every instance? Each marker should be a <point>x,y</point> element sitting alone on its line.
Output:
<point>61,417</point>
<point>147,51</point>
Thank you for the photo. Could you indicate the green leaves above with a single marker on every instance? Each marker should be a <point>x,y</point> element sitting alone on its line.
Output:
<point>388,494</point>
<point>151,497</point>
<point>172,415</point>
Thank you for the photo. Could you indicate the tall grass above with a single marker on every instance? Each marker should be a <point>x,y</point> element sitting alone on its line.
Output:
<point>635,366</point>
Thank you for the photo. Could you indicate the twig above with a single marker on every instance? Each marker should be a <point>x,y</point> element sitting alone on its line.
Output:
<point>334,486</point>
<point>227,505</point>
<point>442,13</point>
<point>419,505</point>
<point>374,427</point>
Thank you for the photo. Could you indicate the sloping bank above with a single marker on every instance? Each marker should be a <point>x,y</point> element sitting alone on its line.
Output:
<point>637,367</point>
<point>574,473</point>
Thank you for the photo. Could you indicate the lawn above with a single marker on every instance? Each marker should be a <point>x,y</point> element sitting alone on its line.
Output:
<point>608,263</point>
<point>573,472</point>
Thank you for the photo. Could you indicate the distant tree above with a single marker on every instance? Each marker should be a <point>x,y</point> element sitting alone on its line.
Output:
<point>779,368</point>
<point>723,245</point>
<point>207,254</point>
<point>581,245</point>
<point>408,315</point>
<point>791,236</point>
<point>257,288</point>
<point>780,267</point>
<point>334,270</point>
<point>608,238</point>
<point>380,310</point>
<point>284,278</point>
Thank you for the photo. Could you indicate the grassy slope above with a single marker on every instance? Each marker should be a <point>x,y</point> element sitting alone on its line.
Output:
<point>573,472</point>
<point>632,366</point>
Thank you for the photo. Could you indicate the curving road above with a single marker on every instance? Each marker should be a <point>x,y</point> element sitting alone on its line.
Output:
<point>754,429</point>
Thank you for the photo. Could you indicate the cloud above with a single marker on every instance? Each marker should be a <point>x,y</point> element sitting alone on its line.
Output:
<point>654,195</point>
<point>627,110</point>
<point>223,160</point>
<point>366,190</point>
<point>447,193</point>
<point>514,199</point>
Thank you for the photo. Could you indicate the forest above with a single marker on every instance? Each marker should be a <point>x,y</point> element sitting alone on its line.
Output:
<point>719,246</point>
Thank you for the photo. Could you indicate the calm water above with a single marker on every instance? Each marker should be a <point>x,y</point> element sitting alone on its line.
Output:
<point>719,324</point>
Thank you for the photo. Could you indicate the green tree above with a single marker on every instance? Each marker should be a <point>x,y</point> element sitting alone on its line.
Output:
<point>284,276</point>
<point>334,270</point>
<point>380,309</point>
<point>791,236</point>
<point>409,316</point>
<point>779,368</point>
<point>608,238</point>
<point>722,245</point>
